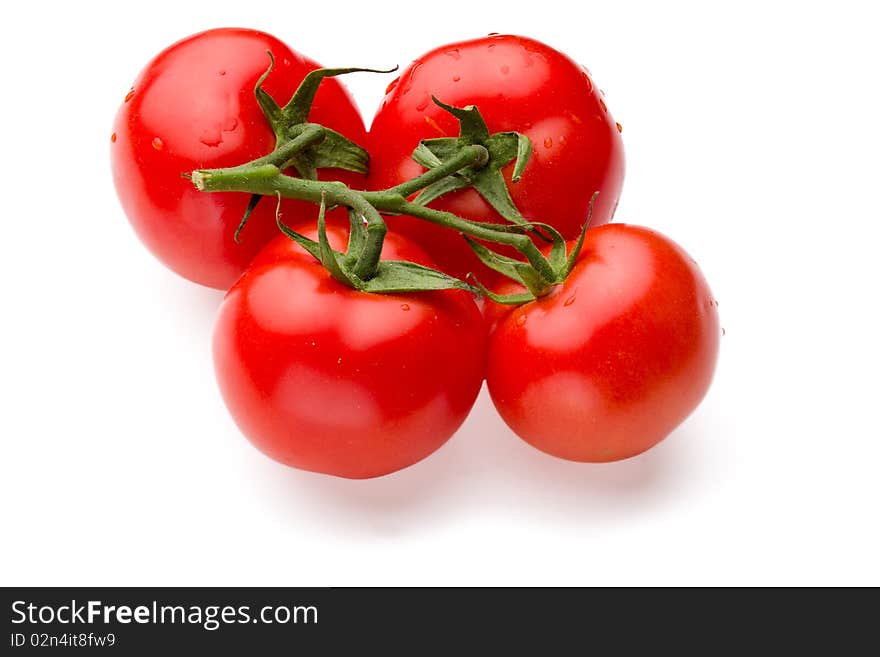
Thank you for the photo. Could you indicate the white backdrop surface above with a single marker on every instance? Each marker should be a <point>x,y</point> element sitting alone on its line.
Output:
<point>752,139</point>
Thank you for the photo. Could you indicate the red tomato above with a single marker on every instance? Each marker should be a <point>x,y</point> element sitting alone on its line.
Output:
<point>324,378</point>
<point>615,358</point>
<point>193,107</point>
<point>517,84</point>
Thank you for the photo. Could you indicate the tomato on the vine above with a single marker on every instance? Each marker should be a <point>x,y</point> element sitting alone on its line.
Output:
<point>520,85</point>
<point>614,358</point>
<point>322,377</point>
<point>193,107</point>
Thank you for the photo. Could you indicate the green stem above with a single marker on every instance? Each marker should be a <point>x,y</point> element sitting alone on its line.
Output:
<point>522,243</point>
<point>311,134</point>
<point>368,261</point>
<point>260,177</point>
<point>474,155</point>
<point>267,179</point>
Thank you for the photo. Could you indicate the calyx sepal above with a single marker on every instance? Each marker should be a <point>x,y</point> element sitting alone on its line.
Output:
<point>540,274</point>
<point>389,276</point>
<point>333,150</point>
<point>486,179</point>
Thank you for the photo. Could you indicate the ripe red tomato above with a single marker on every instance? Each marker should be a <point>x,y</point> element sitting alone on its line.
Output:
<point>324,378</point>
<point>193,107</point>
<point>517,84</point>
<point>615,358</point>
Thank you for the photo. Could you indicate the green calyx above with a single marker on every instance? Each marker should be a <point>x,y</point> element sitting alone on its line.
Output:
<point>540,273</point>
<point>333,150</point>
<point>474,159</point>
<point>386,277</point>
<point>502,147</point>
<point>303,146</point>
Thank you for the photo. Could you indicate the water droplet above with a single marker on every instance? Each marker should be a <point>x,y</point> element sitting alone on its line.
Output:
<point>454,53</point>
<point>723,332</point>
<point>339,361</point>
<point>422,105</point>
<point>221,72</point>
<point>490,47</point>
<point>603,105</point>
<point>392,85</point>
<point>157,144</point>
<point>493,34</point>
<point>404,306</point>
<point>602,91</point>
<point>129,95</point>
<point>521,320</point>
<point>548,142</point>
<point>589,81</point>
<point>230,124</point>
<point>456,78</point>
<point>505,69</point>
<point>411,78</point>
<point>619,128</point>
<point>569,301</point>
<point>113,138</point>
<point>211,139</point>
<point>286,61</point>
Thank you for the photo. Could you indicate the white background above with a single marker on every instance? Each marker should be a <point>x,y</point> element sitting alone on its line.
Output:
<point>752,138</point>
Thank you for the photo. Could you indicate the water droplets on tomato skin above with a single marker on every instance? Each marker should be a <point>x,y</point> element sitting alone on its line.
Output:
<point>410,80</point>
<point>404,306</point>
<point>129,95</point>
<point>619,128</point>
<point>212,139</point>
<point>505,69</point>
<point>392,85</point>
<point>570,300</point>
<point>588,80</point>
<point>113,138</point>
<point>548,142</point>
<point>603,105</point>
<point>521,320</point>
<point>455,53</point>
<point>157,143</point>
<point>456,78</point>
<point>422,105</point>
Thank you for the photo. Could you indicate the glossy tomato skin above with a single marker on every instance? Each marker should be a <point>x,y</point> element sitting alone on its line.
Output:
<point>193,107</point>
<point>323,378</point>
<point>615,358</point>
<point>518,84</point>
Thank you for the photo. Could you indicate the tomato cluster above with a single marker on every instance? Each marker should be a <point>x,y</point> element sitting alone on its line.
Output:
<point>333,360</point>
